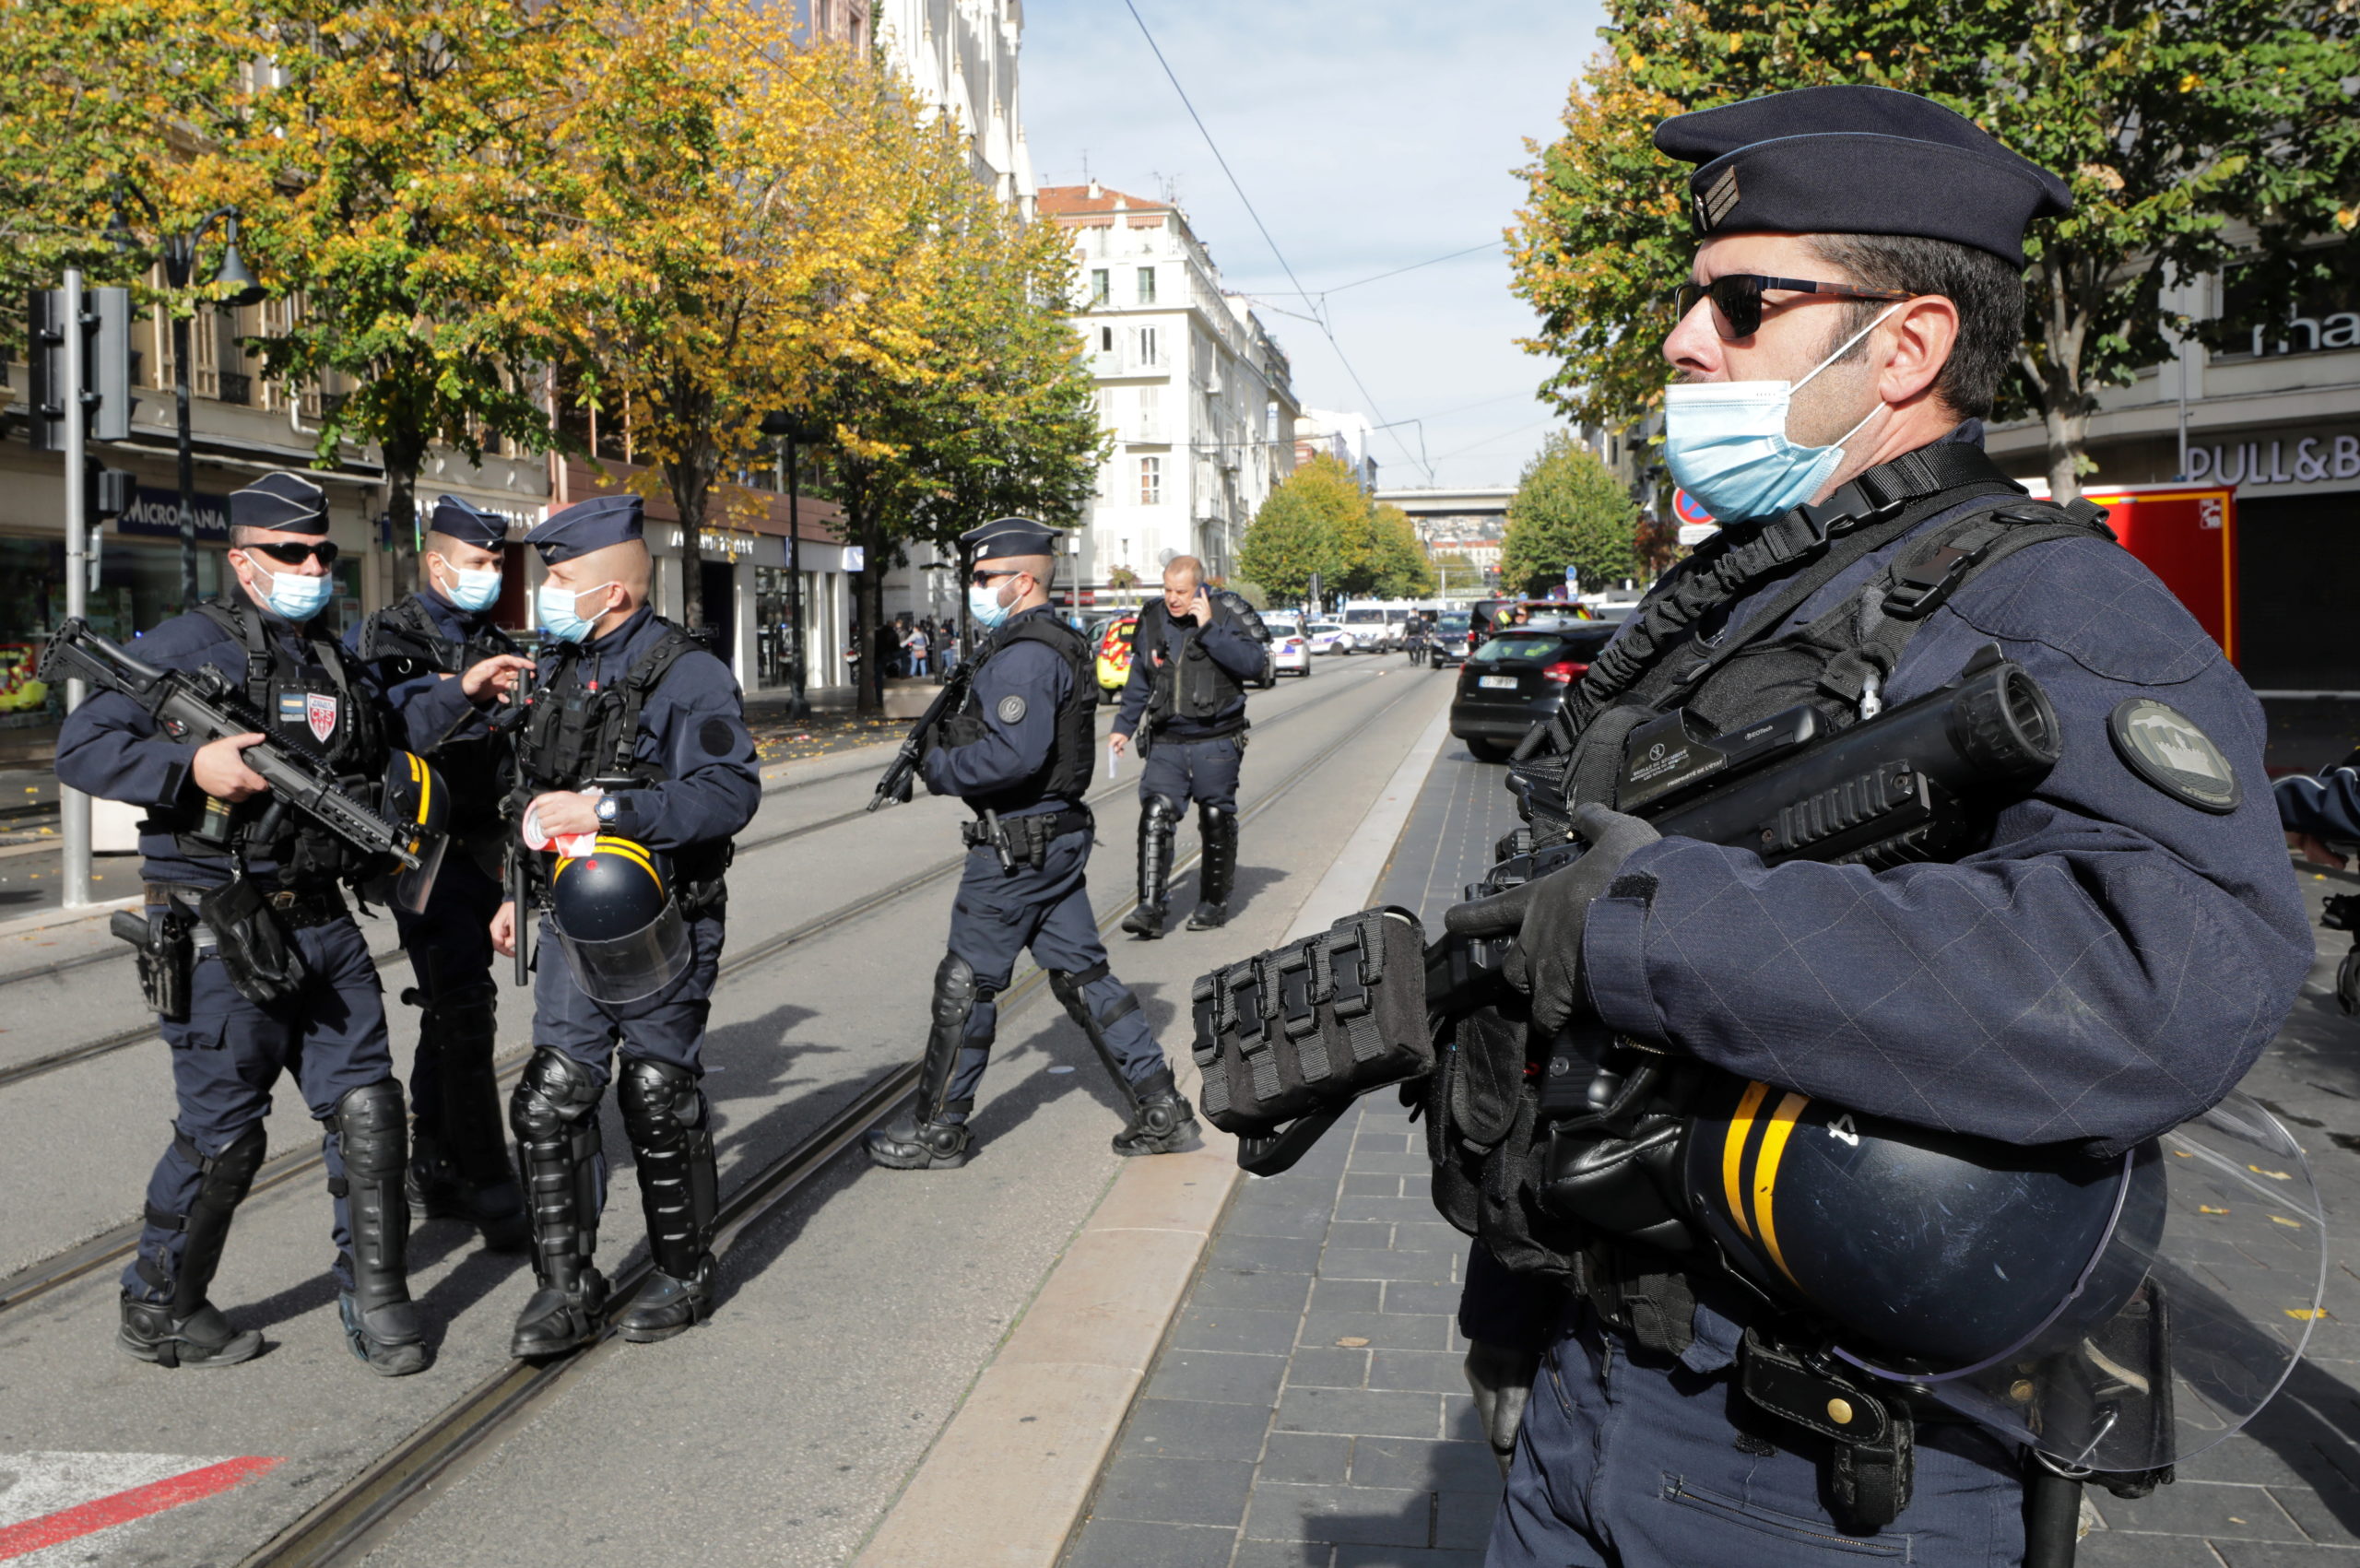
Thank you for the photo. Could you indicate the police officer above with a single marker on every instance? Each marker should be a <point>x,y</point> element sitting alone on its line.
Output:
<point>458,1165</point>
<point>328,1028</point>
<point>1018,752</point>
<point>2318,811</point>
<point>1191,656</point>
<point>632,707</point>
<point>2107,969</point>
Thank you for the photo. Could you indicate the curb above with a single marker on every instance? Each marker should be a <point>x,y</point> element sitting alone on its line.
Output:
<point>1008,1478</point>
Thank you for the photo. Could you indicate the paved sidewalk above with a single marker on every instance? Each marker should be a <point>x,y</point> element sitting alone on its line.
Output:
<point>1308,1410</point>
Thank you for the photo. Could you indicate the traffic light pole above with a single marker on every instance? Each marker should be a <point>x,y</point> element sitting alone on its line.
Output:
<point>72,806</point>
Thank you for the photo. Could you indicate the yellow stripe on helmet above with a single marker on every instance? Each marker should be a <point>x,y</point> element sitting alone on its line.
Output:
<point>1766,1177</point>
<point>1733,1154</point>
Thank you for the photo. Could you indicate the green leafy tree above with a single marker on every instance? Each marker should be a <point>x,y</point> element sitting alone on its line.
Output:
<point>1402,570</point>
<point>1305,527</point>
<point>2176,126</point>
<point>1568,509</point>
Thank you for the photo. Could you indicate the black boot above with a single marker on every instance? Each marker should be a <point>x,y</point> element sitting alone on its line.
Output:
<point>555,1113</point>
<point>459,1167</point>
<point>185,1330</point>
<point>380,1322</point>
<point>1159,823</point>
<point>1217,875</point>
<point>671,1135</point>
<point>1163,1122</point>
<point>924,1138</point>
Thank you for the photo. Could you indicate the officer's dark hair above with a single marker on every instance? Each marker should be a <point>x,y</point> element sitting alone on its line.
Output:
<point>1989,293</point>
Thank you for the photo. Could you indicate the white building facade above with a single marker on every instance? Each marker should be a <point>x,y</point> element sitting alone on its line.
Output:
<point>1192,389</point>
<point>1347,437</point>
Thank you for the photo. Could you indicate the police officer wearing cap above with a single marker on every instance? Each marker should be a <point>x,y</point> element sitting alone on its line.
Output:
<point>1193,653</point>
<point>2108,968</point>
<point>329,1030</point>
<point>1019,751</point>
<point>636,768</point>
<point>459,1166</point>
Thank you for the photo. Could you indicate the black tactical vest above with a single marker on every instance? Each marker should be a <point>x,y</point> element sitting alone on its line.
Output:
<point>316,703</point>
<point>1066,773</point>
<point>573,737</point>
<point>406,642</point>
<point>1193,684</point>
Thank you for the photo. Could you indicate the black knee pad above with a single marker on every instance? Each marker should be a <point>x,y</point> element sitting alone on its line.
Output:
<point>222,1182</point>
<point>1162,810</point>
<point>372,1131</point>
<point>957,992</point>
<point>555,1094</point>
<point>658,1097</point>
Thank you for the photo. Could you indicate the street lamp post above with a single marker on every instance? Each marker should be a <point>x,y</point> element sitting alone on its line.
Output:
<point>178,253</point>
<point>790,432</point>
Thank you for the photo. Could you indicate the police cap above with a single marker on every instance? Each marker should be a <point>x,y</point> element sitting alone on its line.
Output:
<point>586,525</point>
<point>287,503</point>
<point>469,525</point>
<point>1858,160</point>
<point>1004,536</point>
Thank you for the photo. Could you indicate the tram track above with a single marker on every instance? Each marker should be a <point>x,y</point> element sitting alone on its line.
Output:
<point>123,1039</point>
<point>112,1245</point>
<point>352,1521</point>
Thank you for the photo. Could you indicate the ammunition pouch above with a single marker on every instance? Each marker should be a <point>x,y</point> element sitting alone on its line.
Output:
<point>1313,1025</point>
<point>1026,840</point>
<point>1872,1437</point>
<point>166,953</point>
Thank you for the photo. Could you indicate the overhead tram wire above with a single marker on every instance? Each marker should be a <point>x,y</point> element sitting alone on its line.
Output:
<point>1231,174</point>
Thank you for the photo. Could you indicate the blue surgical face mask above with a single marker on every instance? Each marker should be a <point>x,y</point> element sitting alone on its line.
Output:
<point>472,589</point>
<point>292,596</point>
<point>984,608</point>
<point>553,606</point>
<point>1725,443</point>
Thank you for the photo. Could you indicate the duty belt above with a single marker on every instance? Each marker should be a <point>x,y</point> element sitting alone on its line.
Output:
<point>1024,841</point>
<point>297,909</point>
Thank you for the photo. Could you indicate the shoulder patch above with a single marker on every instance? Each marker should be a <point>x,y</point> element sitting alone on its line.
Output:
<point>1012,709</point>
<point>718,737</point>
<point>2164,746</point>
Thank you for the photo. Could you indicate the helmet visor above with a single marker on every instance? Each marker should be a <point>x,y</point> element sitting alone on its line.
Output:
<point>625,969</point>
<point>2188,1319</point>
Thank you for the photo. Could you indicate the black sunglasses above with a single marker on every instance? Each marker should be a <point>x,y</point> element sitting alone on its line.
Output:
<point>295,555</point>
<point>983,579</point>
<point>1736,298</point>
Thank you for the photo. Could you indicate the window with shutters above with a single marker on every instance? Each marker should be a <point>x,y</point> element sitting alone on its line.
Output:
<point>1150,481</point>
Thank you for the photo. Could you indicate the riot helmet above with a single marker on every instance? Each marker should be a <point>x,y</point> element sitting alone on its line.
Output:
<point>617,921</point>
<point>2114,1313</point>
<point>416,801</point>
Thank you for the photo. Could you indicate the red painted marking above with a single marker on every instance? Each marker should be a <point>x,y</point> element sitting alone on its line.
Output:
<point>72,1524</point>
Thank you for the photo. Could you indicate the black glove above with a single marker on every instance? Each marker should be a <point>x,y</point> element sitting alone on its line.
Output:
<point>1501,1377</point>
<point>1547,914</point>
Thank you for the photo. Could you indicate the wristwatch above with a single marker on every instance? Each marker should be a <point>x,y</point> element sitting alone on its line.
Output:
<point>606,805</point>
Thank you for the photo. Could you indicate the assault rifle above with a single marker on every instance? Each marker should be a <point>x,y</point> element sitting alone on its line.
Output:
<point>1920,782</point>
<point>200,705</point>
<point>894,785</point>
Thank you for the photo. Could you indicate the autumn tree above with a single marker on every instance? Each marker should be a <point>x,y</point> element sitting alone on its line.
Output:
<point>1400,568</point>
<point>1305,527</point>
<point>396,173</point>
<point>1568,509</point>
<point>2181,128</point>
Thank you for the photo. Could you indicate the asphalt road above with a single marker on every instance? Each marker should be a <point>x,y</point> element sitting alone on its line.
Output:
<point>849,1325</point>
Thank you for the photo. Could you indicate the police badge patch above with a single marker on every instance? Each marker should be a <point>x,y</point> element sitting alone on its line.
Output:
<point>2164,746</point>
<point>1012,709</point>
<point>319,713</point>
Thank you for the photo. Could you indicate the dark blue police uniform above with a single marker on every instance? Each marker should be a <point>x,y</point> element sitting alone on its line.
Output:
<point>1185,702</point>
<point>1019,751</point>
<point>2108,968</point>
<point>657,723</point>
<point>459,1164</point>
<point>2326,804</point>
<point>229,1053</point>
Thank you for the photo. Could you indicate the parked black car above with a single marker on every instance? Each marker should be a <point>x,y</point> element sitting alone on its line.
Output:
<point>1515,679</point>
<point>1447,642</point>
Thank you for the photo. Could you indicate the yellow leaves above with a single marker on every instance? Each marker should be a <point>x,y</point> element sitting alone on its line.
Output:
<point>2102,174</point>
<point>2346,218</point>
<point>2190,82</point>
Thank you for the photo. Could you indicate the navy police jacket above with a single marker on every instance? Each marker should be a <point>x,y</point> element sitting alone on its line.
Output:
<point>2109,968</point>
<point>692,727</point>
<point>109,747</point>
<point>2326,807</point>
<point>1229,646</point>
<point>1018,687</point>
<point>466,759</point>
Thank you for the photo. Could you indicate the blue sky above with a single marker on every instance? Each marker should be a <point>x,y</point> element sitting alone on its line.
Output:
<point>1370,136</point>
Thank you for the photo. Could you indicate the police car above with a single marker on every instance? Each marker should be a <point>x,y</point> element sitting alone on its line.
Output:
<point>1111,639</point>
<point>1290,646</point>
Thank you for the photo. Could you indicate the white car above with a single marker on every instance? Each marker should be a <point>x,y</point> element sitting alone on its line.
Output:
<point>1289,649</point>
<point>1328,637</point>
